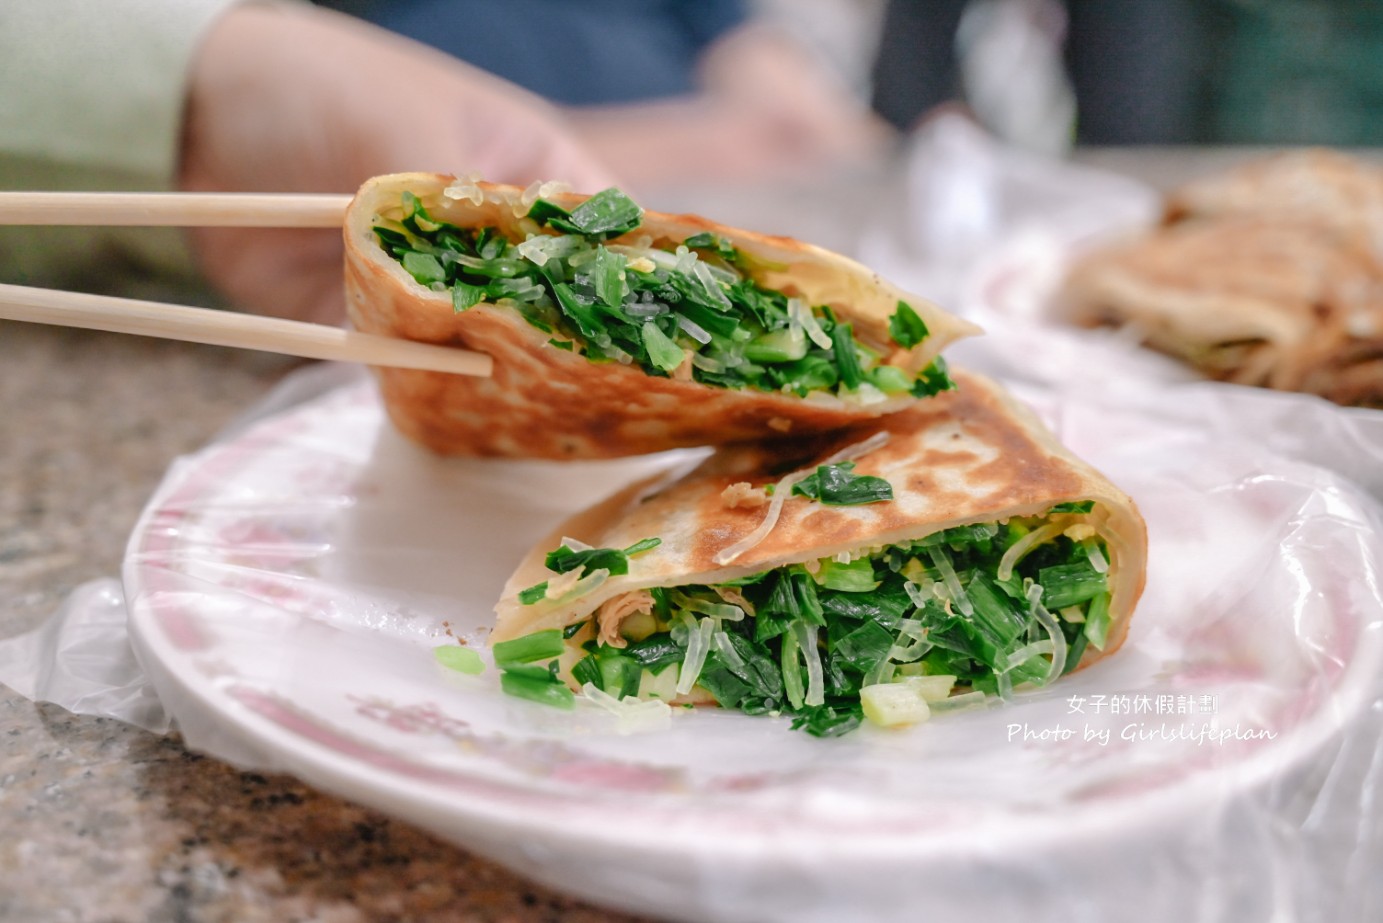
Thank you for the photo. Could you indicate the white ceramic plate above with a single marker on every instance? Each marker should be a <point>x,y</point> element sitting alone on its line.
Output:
<point>287,587</point>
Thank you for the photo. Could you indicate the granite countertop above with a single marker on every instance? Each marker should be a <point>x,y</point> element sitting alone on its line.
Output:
<point>106,822</point>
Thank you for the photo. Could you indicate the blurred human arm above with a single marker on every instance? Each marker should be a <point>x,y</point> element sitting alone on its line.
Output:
<point>266,97</point>
<point>91,98</point>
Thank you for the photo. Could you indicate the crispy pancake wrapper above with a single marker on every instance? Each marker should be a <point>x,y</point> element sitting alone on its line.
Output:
<point>547,402</point>
<point>970,456</point>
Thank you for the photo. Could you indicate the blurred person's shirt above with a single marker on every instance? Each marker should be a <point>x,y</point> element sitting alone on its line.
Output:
<point>574,52</point>
<point>91,99</point>
<point>1131,65</point>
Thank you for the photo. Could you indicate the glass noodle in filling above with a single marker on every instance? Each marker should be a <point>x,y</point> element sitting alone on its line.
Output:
<point>965,613</point>
<point>692,312</point>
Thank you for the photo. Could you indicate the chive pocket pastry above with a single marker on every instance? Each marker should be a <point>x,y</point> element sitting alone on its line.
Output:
<point>1340,194</point>
<point>1269,274</point>
<point>1246,300</point>
<point>953,549</point>
<point>617,331</point>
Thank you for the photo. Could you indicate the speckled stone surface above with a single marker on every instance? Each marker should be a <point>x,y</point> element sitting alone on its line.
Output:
<point>100,821</point>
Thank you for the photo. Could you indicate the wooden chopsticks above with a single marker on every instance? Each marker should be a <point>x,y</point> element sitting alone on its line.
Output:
<point>173,209</point>
<point>203,325</point>
<point>230,328</point>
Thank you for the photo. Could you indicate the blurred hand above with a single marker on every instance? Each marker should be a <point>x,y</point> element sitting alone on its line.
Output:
<point>801,103</point>
<point>289,99</point>
<point>765,111</point>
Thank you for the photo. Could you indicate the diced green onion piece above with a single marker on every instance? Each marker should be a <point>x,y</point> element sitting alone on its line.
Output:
<point>838,485</point>
<point>642,545</point>
<point>563,559</point>
<point>843,345</point>
<point>1074,653</point>
<point>815,693</point>
<point>607,213</point>
<point>934,379</point>
<point>794,597</point>
<point>609,670</point>
<point>713,242</point>
<point>544,692</point>
<point>549,213</point>
<point>792,671</point>
<point>540,645</point>
<point>1097,621</point>
<point>607,277</point>
<point>894,705</point>
<point>906,326</point>
<point>1068,584</point>
<point>424,267</point>
<point>532,594</point>
<point>619,675</point>
<point>993,612</point>
<point>855,577</point>
<point>865,647</point>
<point>662,352</point>
<point>418,217</point>
<point>587,670</point>
<point>785,345</point>
<point>828,720</point>
<point>890,379</point>
<point>1074,506</point>
<point>460,659</point>
<point>464,297</point>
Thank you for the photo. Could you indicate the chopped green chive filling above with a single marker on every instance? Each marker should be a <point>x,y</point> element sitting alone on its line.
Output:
<point>906,327</point>
<point>690,312</point>
<point>541,687</point>
<point>838,485</point>
<point>614,561</point>
<point>979,608</point>
<point>541,645</point>
<point>528,668</point>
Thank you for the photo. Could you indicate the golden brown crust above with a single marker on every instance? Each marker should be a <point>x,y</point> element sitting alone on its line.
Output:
<point>548,402</point>
<point>969,456</point>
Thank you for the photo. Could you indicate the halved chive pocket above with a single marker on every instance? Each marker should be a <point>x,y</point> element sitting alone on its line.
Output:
<point>948,554</point>
<point>618,331</point>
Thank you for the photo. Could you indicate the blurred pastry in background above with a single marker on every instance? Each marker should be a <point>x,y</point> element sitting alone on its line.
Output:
<point>1319,186</point>
<point>1268,275</point>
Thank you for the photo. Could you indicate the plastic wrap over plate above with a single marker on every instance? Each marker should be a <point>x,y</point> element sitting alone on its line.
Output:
<point>288,584</point>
